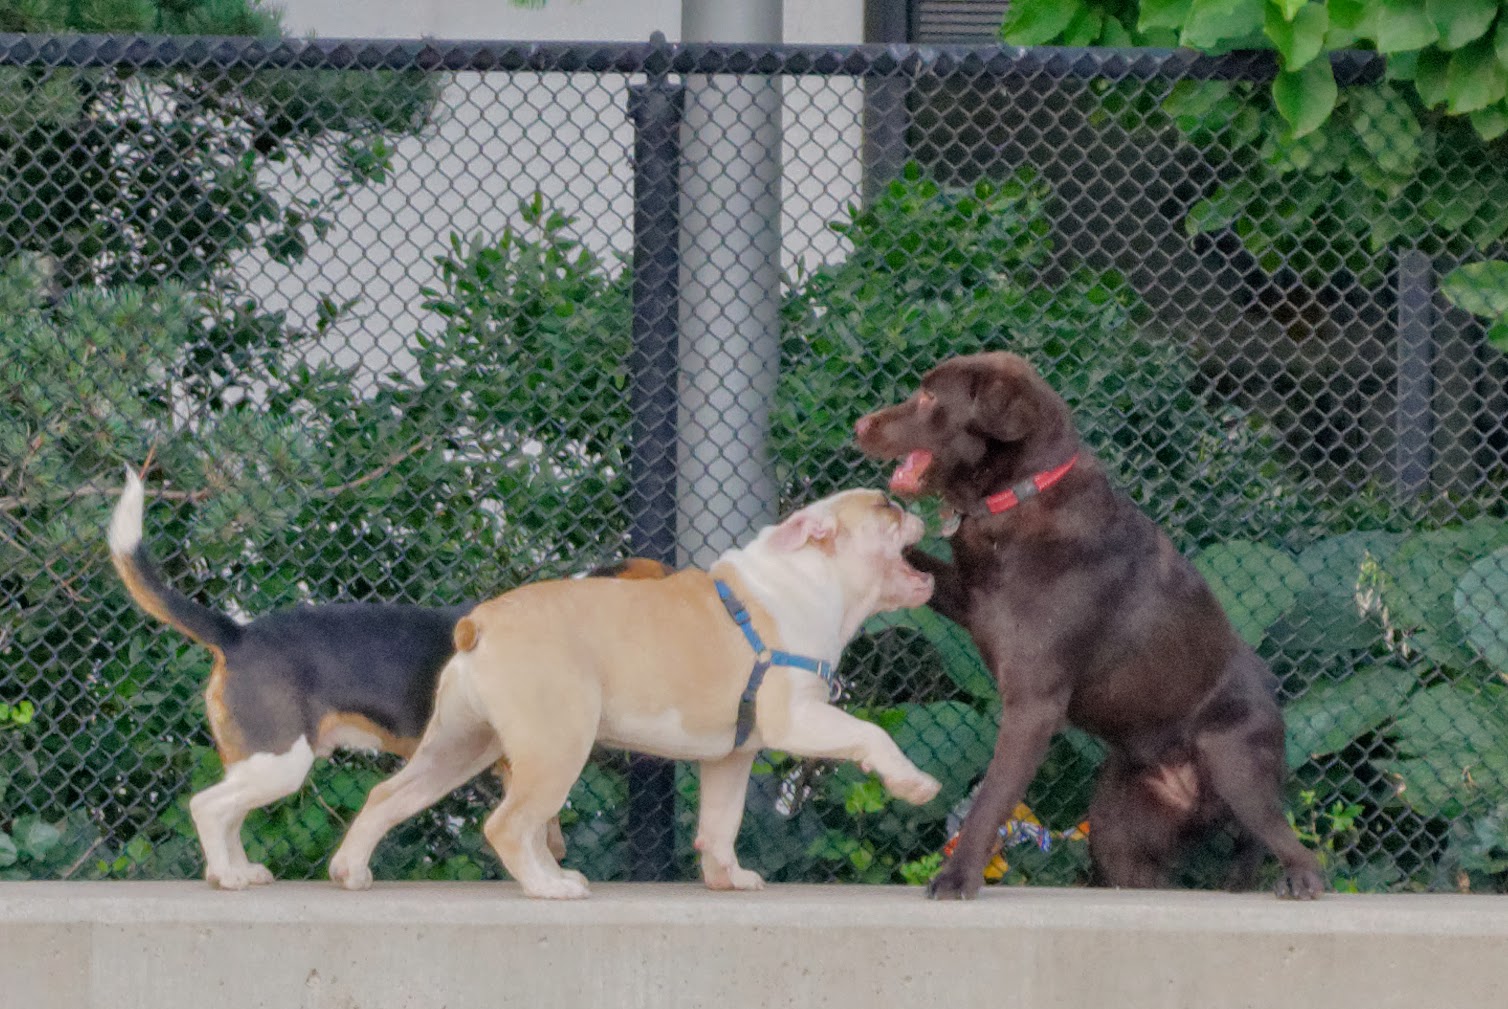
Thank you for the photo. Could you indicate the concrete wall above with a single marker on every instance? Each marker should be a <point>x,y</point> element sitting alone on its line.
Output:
<point>617,20</point>
<point>500,138</point>
<point>457,946</point>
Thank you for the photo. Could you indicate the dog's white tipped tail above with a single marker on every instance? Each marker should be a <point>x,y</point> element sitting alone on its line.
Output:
<point>125,523</point>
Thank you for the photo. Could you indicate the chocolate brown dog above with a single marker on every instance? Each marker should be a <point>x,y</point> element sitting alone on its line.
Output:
<point>1087,615</point>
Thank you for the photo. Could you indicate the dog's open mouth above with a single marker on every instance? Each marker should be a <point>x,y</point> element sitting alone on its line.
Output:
<point>905,586</point>
<point>907,478</point>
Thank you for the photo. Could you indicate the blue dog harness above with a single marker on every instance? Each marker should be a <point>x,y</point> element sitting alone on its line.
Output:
<point>764,658</point>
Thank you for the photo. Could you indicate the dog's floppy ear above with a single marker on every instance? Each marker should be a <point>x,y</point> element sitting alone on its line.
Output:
<point>1003,409</point>
<point>808,525</point>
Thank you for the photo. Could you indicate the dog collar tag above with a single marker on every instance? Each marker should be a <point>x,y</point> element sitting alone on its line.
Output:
<point>1028,488</point>
<point>951,520</point>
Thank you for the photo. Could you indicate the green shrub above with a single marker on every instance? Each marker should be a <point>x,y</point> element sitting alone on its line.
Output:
<point>1326,178</point>
<point>934,273</point>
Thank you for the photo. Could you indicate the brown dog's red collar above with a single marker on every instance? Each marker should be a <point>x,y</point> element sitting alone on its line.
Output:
<point>1028,488</point>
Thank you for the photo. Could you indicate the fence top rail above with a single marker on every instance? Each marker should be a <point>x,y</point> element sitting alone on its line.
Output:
<point>654,57</point>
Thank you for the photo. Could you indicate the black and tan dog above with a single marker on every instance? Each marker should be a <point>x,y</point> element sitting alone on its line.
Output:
<point>297,684</point>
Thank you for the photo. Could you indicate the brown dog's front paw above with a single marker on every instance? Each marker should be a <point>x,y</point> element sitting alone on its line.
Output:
<point>954,883</point>
<point>1299,884</point>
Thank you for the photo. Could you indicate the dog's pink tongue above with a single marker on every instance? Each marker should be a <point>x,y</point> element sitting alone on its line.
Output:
<point>907,478</point>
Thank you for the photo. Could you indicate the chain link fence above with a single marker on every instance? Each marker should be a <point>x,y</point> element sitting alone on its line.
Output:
<point>423,321</point>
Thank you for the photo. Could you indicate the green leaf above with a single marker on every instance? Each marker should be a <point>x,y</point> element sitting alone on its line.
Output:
<point>1461,21</point>
<point>1287,8</point>
<point>1114,35</point>
<point>1478,288</point>
<point>1430,76</point>
<point>138,850</point>
<point>8,853</point>
<point>1454,743</point>
<point>1491,122</point>
<point>1199,100</point>
<point>1340,565</point>
<point>951,741</point>
<point>1084,29</point>
<point>1482,607</point>
<point>1324,624</point>
<point>866,796</point>
<point>1400,66</point>
<point>1497,334</point>
<point>1036,22</point>
<point>598,790</point>
<point>1500,40</point>
<point>36,837</point>
<point>1298,39</point>
<point>960,658</point>
<point>1305,97</point>
<point>1163,14</point>
<point>1491,222</point>
<point>1420,587</point>
<point>1475,78</point>
<point>1211,22</point>
<point>1382,119</point>
<point>1350,21</point>
<point>1254,583</point>
<point>1331,714</point>
<point>1403,25</point>
<point>1337,613</point>
<point>1218,211</point>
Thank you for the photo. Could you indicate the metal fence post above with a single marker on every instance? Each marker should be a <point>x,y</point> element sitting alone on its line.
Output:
<point>730,294</point>
<point>885,116</point>
<point>1414,417</point>
<point>655,109</point>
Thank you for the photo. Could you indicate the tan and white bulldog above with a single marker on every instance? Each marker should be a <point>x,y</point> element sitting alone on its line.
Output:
<point>546,671</point>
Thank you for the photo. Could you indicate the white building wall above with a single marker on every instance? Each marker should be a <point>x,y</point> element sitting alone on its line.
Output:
<point>500,137</point>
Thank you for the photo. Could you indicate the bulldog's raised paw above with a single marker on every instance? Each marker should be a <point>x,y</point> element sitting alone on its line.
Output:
<point>918,789</point>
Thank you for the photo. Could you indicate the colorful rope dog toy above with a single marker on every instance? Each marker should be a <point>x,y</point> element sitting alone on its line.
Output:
<point>1022,828</point>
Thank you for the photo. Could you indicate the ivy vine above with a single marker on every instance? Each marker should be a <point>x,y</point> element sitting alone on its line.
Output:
<point>1329,178</point>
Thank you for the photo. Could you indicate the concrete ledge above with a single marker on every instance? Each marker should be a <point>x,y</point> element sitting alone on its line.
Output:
<point>457,946</point>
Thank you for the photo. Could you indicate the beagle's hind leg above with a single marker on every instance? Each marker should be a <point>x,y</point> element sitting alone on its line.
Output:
<point>219,811</point>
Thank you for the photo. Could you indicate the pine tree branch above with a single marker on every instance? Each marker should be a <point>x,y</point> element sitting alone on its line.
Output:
<point>15,502</point>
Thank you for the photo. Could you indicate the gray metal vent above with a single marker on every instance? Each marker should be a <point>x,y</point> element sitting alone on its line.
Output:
<point>941,22</point>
